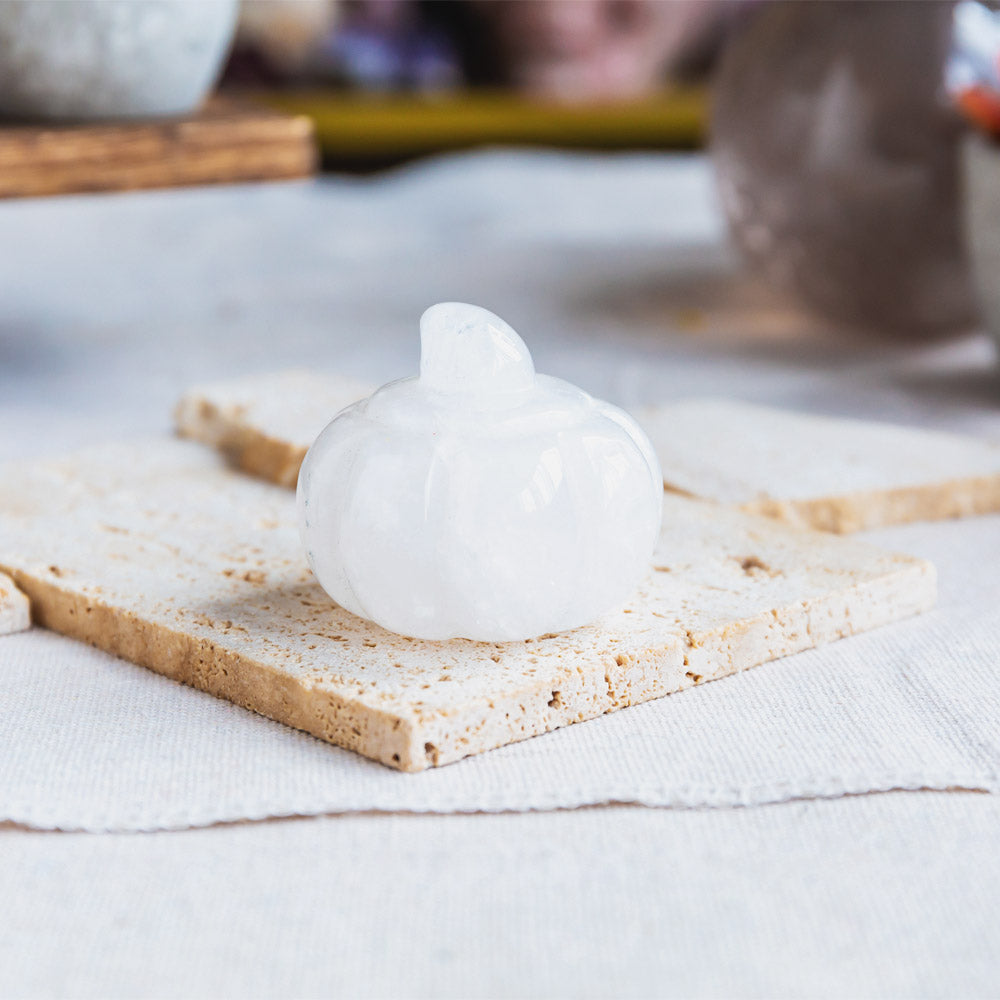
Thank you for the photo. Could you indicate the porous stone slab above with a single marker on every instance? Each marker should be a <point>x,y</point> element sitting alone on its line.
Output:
<point>160,553</point>
<point>15,609</point>
<point>830,473</point>
<point>265,423</point>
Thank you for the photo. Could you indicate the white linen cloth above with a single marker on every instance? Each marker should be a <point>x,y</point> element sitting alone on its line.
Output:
<point>121,303</point>
<point>94,743</point>
<point>873,896</point>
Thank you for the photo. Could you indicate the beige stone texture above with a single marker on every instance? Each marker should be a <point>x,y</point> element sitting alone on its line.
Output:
<point>15,609</point>
<point>265,423</point>
<point>163,555</point>
<point>829,473</point>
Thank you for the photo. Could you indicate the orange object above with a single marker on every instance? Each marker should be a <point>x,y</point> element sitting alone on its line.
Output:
<point>981,105</point>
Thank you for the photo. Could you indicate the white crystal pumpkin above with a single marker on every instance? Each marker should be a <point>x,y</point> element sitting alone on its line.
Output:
<point>479,500</point>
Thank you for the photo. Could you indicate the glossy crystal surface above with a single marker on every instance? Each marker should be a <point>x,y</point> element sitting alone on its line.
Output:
<point>479,499</point>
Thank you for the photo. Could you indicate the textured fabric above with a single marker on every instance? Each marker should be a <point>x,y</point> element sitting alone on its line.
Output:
<point>875,896</point>
<point>613,270</point>
<point>90,742</point>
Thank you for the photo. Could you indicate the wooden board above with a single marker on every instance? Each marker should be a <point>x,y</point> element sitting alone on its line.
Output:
<point>159,553</point>
<point>225,142</point>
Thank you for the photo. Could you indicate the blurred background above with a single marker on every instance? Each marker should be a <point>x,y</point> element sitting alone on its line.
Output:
<point>844,154</point>
<point>390,79</point>
<point>835,127</point>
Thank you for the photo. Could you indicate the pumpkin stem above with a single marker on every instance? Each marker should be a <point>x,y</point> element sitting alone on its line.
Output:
<point>466,349</point>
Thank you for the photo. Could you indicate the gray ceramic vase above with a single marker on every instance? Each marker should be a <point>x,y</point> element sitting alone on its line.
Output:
<point>981,161</point>
<point>838,161</point>
<point>110,59</point>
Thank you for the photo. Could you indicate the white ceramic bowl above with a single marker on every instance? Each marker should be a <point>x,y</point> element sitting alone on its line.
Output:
<point>93,59</point>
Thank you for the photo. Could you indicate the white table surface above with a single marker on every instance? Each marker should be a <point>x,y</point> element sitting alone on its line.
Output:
<point>615,272</point>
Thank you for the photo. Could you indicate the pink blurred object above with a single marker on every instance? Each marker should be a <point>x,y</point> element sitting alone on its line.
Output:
<point>599,49</point>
